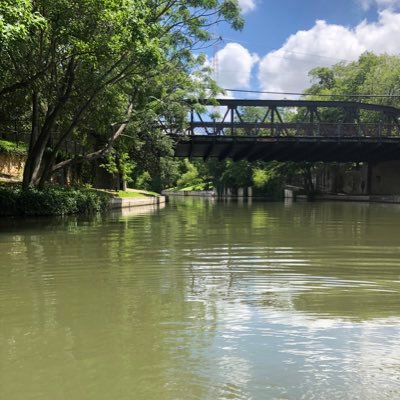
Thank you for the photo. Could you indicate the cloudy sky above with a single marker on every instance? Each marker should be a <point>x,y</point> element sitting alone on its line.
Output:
<point>284,39</point>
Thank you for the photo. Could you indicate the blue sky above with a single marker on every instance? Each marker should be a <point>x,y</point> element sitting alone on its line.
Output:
<point>272,21</point>
<point>284,39</point>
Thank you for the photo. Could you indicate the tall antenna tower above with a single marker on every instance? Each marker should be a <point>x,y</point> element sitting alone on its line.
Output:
<point>215,63</point>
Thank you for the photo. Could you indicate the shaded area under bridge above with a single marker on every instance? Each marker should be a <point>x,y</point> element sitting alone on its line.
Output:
<point>324,131</point>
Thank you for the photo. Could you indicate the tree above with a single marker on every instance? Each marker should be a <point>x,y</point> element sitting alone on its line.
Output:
<point>370,75</point>
<point>17,20</point>
<point>71,56</point>
<point>190,177</point>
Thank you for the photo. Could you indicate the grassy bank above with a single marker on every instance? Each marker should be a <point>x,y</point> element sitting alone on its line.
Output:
<point>198,187</point>
<point>135,193</point>
<point>7,147</point>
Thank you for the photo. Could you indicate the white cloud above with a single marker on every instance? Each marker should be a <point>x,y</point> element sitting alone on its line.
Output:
<point>286,69</point>
<point>247,5</point>
<point>234,65</point>
<point>381,4</point>
<point>382,36</point>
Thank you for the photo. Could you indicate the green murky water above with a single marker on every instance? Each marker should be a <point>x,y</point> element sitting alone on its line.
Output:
<point>203,300</point>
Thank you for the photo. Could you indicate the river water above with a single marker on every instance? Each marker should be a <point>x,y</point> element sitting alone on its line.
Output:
<point>203,300</point>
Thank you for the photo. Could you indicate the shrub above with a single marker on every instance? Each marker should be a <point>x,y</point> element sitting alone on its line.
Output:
<point>53,200</point>
<point>8,201</point>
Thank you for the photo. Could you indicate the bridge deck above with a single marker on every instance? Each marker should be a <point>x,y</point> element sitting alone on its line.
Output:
<point>326,149</point>
<point>350,131</point>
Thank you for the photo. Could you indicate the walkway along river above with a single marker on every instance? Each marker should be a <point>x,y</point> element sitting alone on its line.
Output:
<point>202,299</point>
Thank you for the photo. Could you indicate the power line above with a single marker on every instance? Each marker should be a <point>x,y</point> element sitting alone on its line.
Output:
<point>271,51</point>
<point>311,94</point>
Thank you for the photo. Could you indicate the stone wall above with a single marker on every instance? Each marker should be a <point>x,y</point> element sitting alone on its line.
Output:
<point>342,178</point>
<point>385,178</point>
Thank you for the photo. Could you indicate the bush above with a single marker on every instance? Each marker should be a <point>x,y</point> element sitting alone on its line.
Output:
<point>261,177</point>
<point>143,181</point>
<point>53,200</point>
<point>190,177</point>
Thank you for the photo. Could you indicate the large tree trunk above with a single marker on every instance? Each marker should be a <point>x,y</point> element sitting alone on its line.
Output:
<point>28,170</point>
<point>36,150</point>
<point>39,140</point>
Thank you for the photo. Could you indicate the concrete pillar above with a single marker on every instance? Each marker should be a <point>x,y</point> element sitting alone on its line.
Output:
<point>369,178</point>
<point>288,194</point>
<point>240,192</point>
<point>288,202</point>
<point>250,191</point>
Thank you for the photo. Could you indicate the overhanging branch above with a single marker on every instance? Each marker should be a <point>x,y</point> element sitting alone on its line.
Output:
<point>99,153</point>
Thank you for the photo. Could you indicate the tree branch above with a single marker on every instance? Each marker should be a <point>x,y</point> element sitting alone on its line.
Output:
<point>99,153</point>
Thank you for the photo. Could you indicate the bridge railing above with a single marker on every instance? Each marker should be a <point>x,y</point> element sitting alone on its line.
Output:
<point>362,130</point>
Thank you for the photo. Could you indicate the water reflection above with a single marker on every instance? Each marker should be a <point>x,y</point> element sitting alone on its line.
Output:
<point>203,300</point>
<point>132,211</point>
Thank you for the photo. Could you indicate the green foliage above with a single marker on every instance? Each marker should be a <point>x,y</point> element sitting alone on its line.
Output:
<point>169,172</point>
<point>119,164</point>
<point>269,178</point>
<point>12,148</point>
<point>324,76</point>
<point>143,181</point>
<point>53,200</point>
<point>83,72</point>
<point>198,187</point>
<point>16,19</point>
<point>137,193</point>
<point>110,164</point>
<point>190,177</point>
<point>371,74</point>
<point>236,174</point>
<point>261,177</point>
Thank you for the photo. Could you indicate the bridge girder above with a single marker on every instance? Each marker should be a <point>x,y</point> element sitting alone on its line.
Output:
<point>273,136</point>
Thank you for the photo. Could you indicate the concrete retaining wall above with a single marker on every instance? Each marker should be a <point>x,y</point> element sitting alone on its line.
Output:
<point>118,203</point>
<point>203,193</point>
<point>372,198</point>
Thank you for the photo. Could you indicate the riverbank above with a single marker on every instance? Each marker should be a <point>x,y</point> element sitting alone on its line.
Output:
<point>63,200</point>
<point>393,199</point>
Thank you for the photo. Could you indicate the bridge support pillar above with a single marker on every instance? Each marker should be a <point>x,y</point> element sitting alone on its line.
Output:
<point>240,192</point>
<point>250,191</point>
<point>228,192</point>
<point>370,167</point>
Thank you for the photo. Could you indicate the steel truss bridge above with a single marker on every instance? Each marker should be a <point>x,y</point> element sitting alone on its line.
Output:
<point>324,131</point>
